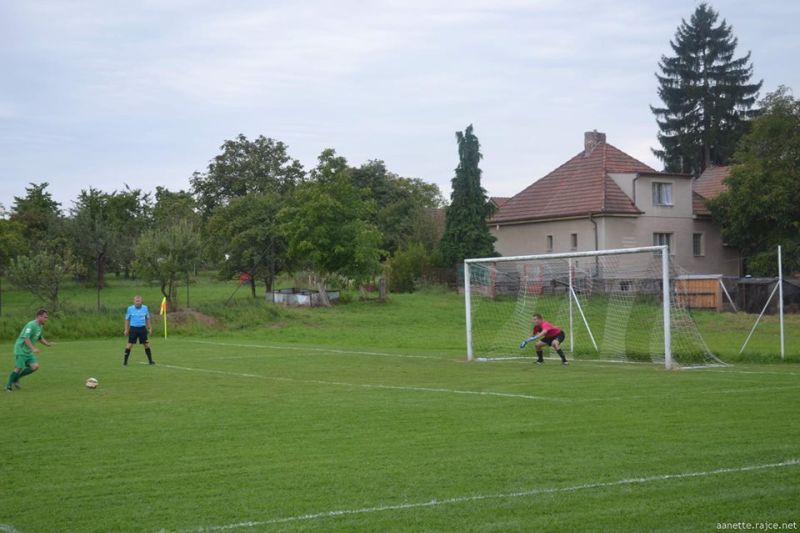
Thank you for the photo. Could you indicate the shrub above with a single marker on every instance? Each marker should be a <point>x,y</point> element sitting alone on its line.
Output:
<point>406,267</point>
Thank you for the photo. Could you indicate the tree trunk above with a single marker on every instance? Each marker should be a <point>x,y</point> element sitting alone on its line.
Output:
<point>172,300</point>
<point>101,271</point>
<point>253,287</point>
<point>268,290</point>
<point>323,294</point>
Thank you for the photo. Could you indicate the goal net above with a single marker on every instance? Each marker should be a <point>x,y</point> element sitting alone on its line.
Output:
<point>615,305</point>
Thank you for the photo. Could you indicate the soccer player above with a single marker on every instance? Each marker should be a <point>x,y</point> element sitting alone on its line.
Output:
<point>137,326</point>
<point>25,350</point>
<point>545,334</point>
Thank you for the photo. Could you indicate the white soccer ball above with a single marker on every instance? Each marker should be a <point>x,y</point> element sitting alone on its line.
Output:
<point>91,383</point>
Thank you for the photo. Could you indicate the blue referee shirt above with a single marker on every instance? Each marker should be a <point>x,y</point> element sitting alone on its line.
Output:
<point>137,317</point>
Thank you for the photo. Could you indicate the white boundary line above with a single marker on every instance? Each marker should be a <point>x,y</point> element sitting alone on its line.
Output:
<point>324,350</point>
<point>367,385</point>
<point>483,497</point>
<point>8,528</point>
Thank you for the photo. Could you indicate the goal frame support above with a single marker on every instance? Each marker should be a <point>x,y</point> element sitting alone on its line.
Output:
<point>665,285</point>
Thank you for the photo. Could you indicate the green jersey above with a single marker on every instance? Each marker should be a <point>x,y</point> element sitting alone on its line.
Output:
<point>32,331</point>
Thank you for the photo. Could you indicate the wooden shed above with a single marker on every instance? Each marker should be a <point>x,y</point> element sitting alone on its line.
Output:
<point>700,291</point>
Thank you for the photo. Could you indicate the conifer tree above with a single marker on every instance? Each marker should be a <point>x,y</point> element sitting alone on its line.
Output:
<point>707,95</point>
<point>466,232</point>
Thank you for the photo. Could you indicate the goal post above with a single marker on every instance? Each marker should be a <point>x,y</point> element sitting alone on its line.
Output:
<point>617,304</point>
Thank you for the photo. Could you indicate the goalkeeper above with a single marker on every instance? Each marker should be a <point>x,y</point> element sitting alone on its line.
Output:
<point>545,334</point>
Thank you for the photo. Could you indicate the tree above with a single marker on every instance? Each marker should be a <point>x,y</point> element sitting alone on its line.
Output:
<point>246,237</point>
<point>761,208</point>
<point>163,254</point>
<point>130,214</point>
<point>40,217</point>
<point>12,242</point>
<point>399,201</point>
<point>328,226</point>
<point>466,232</point>
<point>104,228</point>
<point>174,207</point>
<point>246,167</point>
<point>707,95</point>
<point>93,235</point>
<point>42,274</point>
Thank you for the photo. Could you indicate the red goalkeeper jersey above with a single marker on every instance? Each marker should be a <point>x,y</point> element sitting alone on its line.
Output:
<point>549,329</point>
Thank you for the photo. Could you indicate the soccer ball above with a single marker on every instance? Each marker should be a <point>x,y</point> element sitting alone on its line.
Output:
<point>91,383</point>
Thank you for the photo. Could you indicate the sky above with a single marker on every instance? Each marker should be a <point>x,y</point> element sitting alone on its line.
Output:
<point>143,93</point>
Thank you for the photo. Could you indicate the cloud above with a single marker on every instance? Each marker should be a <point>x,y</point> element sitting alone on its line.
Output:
<point>151,88</point>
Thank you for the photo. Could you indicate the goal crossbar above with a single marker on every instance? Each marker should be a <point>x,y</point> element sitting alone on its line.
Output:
<point>566,255</point>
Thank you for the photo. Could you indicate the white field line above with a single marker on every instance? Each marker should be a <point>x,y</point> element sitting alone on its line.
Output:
<point>683,395</point>
<point>465,392</point>
<point>323,350</point>
<point>8,528</point>
<point>511,359</point>
<point>368,385</point>
<point>755,372</point>
<point>483,497</point>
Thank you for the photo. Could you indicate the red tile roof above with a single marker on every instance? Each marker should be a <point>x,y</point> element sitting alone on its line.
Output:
<point>699,205</point>
<point>709,184</point>
<point>499,201</point>
<point>576,188</point>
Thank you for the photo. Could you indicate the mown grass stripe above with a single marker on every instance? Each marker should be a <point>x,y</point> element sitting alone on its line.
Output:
<point>501,496</point>
<point>367,385</point>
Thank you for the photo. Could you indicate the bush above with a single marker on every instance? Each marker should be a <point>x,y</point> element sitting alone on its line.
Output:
<point>406,267</point>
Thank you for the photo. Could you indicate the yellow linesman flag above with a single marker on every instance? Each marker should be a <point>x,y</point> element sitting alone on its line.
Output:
<point>163,313</point>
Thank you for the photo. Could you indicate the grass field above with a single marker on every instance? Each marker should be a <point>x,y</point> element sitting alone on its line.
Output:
<point>253,434</point>
<point>365,417</point>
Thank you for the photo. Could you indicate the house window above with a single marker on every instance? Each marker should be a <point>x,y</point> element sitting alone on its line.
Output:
<point>662,193</point>
<point>573,241</point>
<point>661,239</point>
<point>549,243</point>
<point>698,246</point>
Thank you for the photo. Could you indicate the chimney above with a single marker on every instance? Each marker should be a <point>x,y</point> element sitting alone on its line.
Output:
<point>591,140</point>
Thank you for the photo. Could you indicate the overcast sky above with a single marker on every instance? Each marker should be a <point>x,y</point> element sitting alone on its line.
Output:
<point>102,94</point>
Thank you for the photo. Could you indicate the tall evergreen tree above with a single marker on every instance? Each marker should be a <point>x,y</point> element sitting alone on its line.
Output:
<point>707,95</point>
<point>466,233</point>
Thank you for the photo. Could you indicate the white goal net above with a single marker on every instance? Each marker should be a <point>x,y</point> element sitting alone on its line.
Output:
<point>617,305</point>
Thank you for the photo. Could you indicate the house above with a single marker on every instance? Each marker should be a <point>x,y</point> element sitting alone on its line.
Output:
<point>603,198</point>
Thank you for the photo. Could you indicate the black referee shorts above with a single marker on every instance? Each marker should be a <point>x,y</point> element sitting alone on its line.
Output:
<point>137,333</point>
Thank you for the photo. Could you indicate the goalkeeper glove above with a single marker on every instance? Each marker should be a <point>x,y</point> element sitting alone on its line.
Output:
<point>529,339</point>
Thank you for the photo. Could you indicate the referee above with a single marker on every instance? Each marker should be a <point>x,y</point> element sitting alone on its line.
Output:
<point>137,326</point>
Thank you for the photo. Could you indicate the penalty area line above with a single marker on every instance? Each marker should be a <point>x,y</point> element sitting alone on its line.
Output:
<point>323,350</point>
<point>484,497</point>
<point>367,385</point>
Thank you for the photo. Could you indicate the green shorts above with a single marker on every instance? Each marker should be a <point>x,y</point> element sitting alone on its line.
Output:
<point>24,359</point>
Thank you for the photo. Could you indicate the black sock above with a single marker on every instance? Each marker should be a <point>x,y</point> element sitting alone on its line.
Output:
<point>539,356</point>
<point>149,354</point>
<point>127,354</point>
<point>561,353</point>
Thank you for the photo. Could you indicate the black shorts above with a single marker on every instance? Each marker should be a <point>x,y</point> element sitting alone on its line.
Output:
<point>549,340</point>
<point>139,333</point>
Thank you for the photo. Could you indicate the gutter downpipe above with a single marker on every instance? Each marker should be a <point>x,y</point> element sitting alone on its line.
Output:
<point>634,190</point>
<point>596,245</point>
